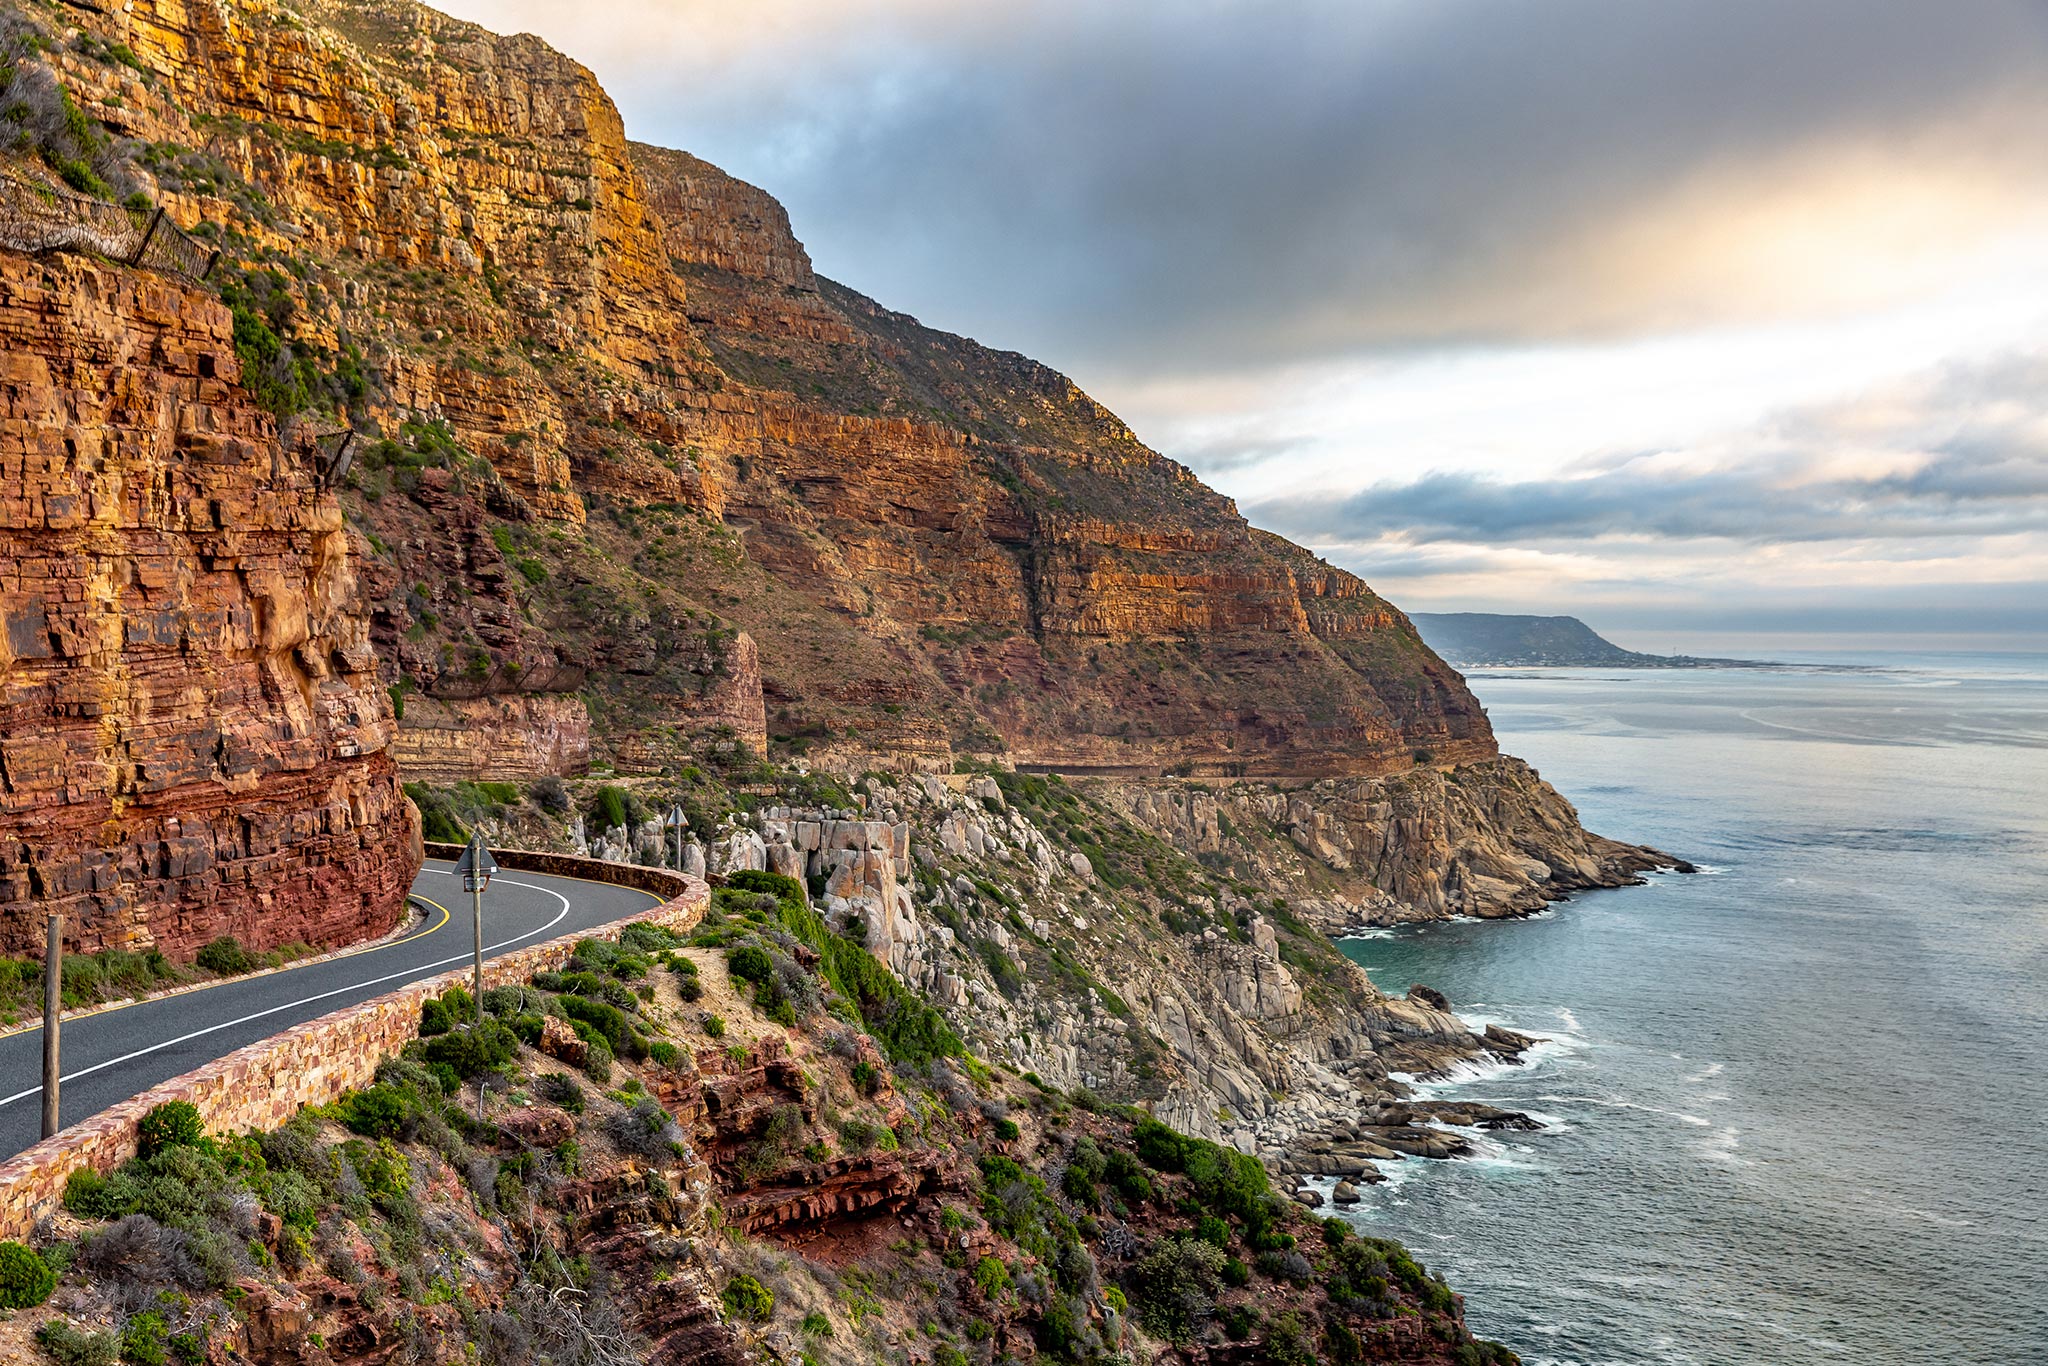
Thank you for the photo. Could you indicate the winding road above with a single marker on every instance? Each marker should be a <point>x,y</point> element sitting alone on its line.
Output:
<point>125,1049</point>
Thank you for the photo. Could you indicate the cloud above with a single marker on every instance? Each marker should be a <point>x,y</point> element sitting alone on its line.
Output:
<point>1152,186</point>
<point>1959,454</point>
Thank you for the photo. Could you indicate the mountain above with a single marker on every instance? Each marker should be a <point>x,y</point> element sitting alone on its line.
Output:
<point>537,470</point>
<point>1488,639</point>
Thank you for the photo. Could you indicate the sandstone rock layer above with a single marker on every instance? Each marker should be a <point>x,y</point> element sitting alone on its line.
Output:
<point>193,738</point>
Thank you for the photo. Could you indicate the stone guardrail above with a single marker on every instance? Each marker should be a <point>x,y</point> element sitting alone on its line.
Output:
<point>315,1063</point>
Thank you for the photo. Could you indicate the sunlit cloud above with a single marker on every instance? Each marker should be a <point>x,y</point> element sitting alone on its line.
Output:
<point>1490,280</point>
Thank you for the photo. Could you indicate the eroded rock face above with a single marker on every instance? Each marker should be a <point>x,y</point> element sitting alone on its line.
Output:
<point>193,738</point>
<point>1488,840</point>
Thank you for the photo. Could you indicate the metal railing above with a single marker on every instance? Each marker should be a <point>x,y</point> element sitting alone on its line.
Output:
<point>36,218</point>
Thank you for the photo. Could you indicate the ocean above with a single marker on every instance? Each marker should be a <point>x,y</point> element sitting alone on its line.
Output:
<point>1796,1105</point>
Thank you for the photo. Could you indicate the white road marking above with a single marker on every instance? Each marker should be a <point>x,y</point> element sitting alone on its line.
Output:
<point>424,970</point>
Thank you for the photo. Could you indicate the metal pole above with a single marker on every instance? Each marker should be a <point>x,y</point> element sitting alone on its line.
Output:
<point>476,902</point>
<point>53,1004</point>
<point>476,906</point>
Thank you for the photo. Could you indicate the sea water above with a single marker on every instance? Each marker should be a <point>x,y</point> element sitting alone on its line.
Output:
<point>1796,1105</point>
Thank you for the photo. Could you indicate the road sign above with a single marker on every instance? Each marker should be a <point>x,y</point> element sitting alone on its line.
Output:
<point>476,865</point>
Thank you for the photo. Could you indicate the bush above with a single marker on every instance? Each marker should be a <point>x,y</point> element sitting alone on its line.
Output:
<point>434,1018</point>
<point>597,1062</point>
<point>561,1090</point>
<point>991,1277</point>
<point>1175,1286</point>
<point>66,1346</point>
<point>666,1054</point>
<point>744,1297</point>
<point>25,1278</point>
<point>714,1025</point>
<point>226,956</point>
<point>647,1129</point>
<point>1006,1129</point>
<point>173,1124</point>
<point>750,963</point>
<point>475,1051</point>
<point>381,1111</point>
<point>89,1195</point>
<point>142,1339</point>
<point>1210,1229</point>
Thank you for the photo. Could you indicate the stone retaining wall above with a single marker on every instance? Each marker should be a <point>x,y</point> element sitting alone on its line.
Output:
<point>265,1084</point>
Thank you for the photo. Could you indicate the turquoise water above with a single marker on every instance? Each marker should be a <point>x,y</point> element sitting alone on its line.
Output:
<point>1797,1105</point>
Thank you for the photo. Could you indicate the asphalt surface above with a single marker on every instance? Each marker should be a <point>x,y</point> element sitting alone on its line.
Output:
<point>111,1056</point>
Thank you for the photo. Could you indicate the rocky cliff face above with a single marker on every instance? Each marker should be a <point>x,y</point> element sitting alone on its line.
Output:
<point>615,409</point>
<point>1487,840</point>
<point>193,737</point>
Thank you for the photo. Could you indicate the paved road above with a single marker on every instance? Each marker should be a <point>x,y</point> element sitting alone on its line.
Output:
<point>111,1056</point>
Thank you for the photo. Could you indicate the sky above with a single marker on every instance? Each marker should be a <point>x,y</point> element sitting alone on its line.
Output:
<point>1684,318</point>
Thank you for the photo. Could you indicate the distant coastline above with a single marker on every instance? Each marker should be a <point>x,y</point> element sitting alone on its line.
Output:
<point>1486,640</point>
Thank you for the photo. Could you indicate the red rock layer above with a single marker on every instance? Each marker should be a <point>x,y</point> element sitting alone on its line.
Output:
<point>192,734</point>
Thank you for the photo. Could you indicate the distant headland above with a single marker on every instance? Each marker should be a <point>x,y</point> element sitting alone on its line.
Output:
<point>1477,640</point>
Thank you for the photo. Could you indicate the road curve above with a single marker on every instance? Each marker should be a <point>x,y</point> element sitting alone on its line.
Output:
<point>112,1055</point>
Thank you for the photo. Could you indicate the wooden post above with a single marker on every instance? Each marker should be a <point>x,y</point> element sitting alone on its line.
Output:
<point>147,234</point>
<point>53,1005</point>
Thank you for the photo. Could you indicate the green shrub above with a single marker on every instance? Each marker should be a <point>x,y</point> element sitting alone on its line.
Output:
<point>750,963</point>
<point>66,1346</point>
<point>474,1051</point>
<point>597,1062</point>
<point>381,1111</point>
<point>25,1278</point>
<point>434,1018</point>
<point>1210,1229</point>
<point>173,1124</point>
<point>142,1339</point>
<point>1174,1286</point>
<point>226,956</point>
<point>1006,1129</point>
<point>560,1090</point>
<point>991,1277</point>
<point>744,1297</point>
<point>714,1025</point>
<point>816,1325</point>
<point>89,1195</point>
<point>666,1054</point>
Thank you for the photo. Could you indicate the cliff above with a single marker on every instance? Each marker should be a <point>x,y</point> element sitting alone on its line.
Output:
<point>616,425</point>
<point>192,732</point>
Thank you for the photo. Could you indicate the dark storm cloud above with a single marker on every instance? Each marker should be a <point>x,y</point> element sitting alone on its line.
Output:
<point>1961,454</point>
<point>1150,186</point>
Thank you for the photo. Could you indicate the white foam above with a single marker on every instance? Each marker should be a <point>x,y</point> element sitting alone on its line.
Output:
<point>1721,1148</point>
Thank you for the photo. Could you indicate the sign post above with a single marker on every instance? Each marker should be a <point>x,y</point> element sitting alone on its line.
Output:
<point>680,822</point>
<point>53,1005</point>
<point>475,867</point>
